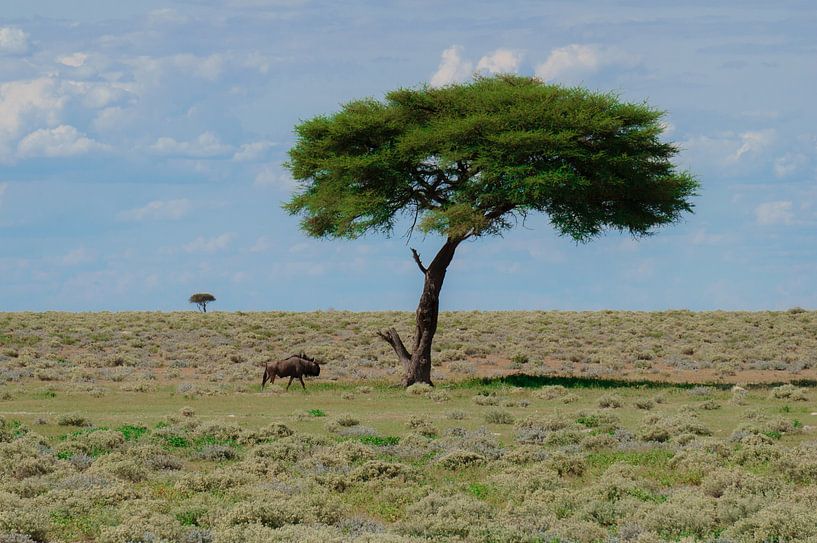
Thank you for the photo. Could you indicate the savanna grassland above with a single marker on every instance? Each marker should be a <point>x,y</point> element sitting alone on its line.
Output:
<point>543,426</point>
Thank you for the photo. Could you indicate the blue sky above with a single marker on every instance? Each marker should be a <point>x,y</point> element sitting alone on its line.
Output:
<point>141,146</point>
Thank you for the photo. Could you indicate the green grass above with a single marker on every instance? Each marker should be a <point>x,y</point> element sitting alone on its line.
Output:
<point>131,432</point>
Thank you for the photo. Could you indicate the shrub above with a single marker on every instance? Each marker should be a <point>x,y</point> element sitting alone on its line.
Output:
<point>216,453</point>
<point>497,416</point>
<point>551,392</point>
<point>143,527</point>
<point>419,389</point>
<point>422,426</point>
<point>347,420</point>
<point>482,399</point>
<point>73,419</point>
<point>376,469</point>
<point>610,401</point>
<point>459,458</point>
<point>566,464</point>
<point>789,392</point>
<point>439,517</point>
<point>273,430</point>
<point>24,520</point>
<point>684,513</point>
<point>777,522</point>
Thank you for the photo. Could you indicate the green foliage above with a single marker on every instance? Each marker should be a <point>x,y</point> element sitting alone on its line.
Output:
<point>380,441</point>
<point>316,413</point>
<point>465,160</point>
<point>131,432</point>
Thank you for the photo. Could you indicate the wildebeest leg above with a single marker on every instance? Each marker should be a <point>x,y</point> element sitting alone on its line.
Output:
<point>290,381</point>
<point>301,379</point>
<point>272,378</point>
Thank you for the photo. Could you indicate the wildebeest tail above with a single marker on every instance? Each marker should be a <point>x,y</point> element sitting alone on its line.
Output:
<point>266,376</point>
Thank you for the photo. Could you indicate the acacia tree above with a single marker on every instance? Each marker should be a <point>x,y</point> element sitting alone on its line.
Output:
<point>201,299</point>
<point>470,160</point>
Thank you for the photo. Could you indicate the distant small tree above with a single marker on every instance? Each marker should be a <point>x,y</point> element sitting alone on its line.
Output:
<point>473,160</point>
<point>202,299</point>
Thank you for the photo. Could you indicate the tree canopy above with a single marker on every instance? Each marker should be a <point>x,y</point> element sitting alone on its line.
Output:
<point>469,160</point>
<point>201,299</point>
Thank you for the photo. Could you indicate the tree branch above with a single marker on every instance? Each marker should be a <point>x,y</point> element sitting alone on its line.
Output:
<point>391,337</point>
<point>419,262</point>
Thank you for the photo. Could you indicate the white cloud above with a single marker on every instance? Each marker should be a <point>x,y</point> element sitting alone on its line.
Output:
<point>272,176</point>
<point>500,61</point>
<point>74,60</point>
<point>572,58</point>
<point>13,40</point>
<point>752,143</point>
<point>252,151</point>
<point>3,188</point>
<point>207,145</point>
<point>158,210</point>
<point>452,68</point>
<point>208,245</point>
<point>62,141</point>
<point>728,152</point>
<point>789,163</point>
<point>112,119</point>
<point>150,71</point>
<point>570,63</point>
<point>23,105</point>
<point>770,213</point>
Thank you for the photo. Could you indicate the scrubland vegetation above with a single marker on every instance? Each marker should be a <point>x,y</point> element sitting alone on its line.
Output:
<point>226,350</point>
<point>150,427</point>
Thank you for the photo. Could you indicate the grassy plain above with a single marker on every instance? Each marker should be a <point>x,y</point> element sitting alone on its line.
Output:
<point>150,427</point>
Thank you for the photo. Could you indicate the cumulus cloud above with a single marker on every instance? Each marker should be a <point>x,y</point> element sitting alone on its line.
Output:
<point>454,68</point>
<point>207,145</point>
<point>60,142</point>
<point>771,213</point>
<point>208,245</point>
<point>572,58</point>
<point>572,62</point>
<point>13,40</point>
<point>252,151</point>
<point>23,105</point>
<point>74,60</point>
<point>158,210</point>
<point>751,143</point>
<point>500,61</point>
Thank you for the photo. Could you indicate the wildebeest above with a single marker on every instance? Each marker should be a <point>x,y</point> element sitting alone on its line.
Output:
<point>293,366</point>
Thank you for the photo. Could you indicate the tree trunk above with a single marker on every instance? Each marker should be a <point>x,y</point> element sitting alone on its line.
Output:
<point>417,363</point>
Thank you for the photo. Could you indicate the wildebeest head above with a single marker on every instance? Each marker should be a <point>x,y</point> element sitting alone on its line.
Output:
<point>310,365</point>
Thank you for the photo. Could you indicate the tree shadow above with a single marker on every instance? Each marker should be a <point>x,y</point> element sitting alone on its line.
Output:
<point>524,380</point>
